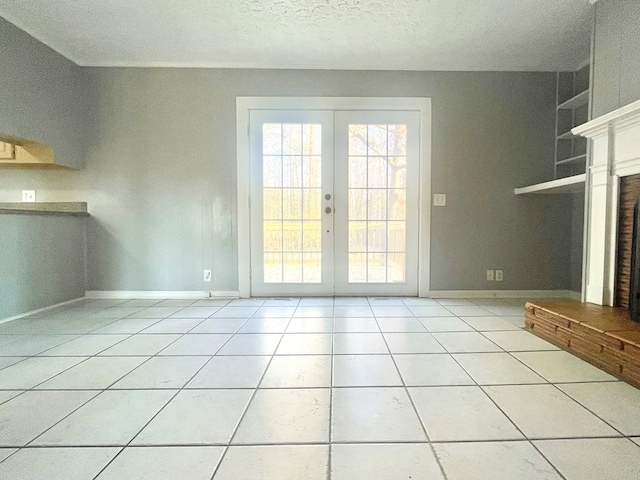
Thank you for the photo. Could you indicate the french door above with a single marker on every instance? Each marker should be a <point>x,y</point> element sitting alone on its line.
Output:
<point>334,202</point>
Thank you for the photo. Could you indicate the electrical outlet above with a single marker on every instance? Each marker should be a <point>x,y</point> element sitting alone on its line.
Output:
<point>439,199</point>
<point>28,195</point>
<point>490,275</point>
<point>499,275</point>
<point>207,275</point>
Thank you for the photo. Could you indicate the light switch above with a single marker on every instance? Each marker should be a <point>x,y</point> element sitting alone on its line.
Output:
<point>439,199</point>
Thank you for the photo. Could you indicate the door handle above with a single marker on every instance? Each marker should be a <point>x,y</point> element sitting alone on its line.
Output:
<point>327,210</point>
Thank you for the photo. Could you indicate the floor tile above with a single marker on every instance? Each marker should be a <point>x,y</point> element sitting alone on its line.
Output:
<point>33,345</point>
<point>173,325</point>
<point>127,325</point>
<point>81,326</point>
<point>615,402</point>
<point>386,301</point>
<point>86,345</point>
<point>200,344</point>
<point>6,395</point>
<point>519,341</point>
<point>352,311</point>
<point>316,302</point>
<point>56,463</point>
<point>305,371</point>
<point>305,343</point>
<point>374,415</point>
<point>198,417</point>
<point>392,311</point>
<point>164,463</point>
<point>420,301</point>
<point>468,310</point>
<point>559,366</point>
<point>231,372</point>
<point>430,311</point>
<point>494,460</point>
<point>251,344</point>
<point>195,312</point>
<point>145,345</point>
<point>295,416</point>
<point>497,369</point>
<point>28,415</point>
<point>636,440</point>
<point>313,311</point>
<point>111,418</point>
<point>211,302</point>
<point>219,325</point>
<point>449,302</point>
<point>431,370</point>
<point>141,302</point>
<point>400,325</point>
<point>8,361</point>
<point>593,459</point>
<point>466,342</point>
<point>94,373</point>
<point>246,302</point>
<point>351,301</point>
<point>176,302</point>
<point>518,320</point>
<point>162,372</point>
<point>365,371</point>
<point>295,462</point>
<point>543,411</point>
<point>116,312</point>
<point>484,302</point>
<point>6,453</point>
<point>445,324</point>
<point>461,414</point>
<point>384,462</point>
<point>31,372</point>
<point>265,325</point>
<point>358,343</point>
<point>274,312</point>
<point>281,302</point>
<point>6,339</point>
<point>157,312</point>
<point>489,324</point>
<point>413,343</point>
<point>356,325</point>
<point>310,325</point>
<point>505,311</point>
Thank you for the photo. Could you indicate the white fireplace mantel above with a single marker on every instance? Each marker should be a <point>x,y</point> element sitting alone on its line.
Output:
<point>615,153</point>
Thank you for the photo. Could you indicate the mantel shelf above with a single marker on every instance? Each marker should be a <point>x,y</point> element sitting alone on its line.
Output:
<point>574,184</point>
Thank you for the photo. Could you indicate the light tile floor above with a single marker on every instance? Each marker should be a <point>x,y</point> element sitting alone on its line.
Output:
<point>305,389</point>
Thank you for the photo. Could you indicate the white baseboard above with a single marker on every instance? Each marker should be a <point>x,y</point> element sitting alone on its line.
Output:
<point>160,294</point>
<point>501,294</point>
<point>32,312</point>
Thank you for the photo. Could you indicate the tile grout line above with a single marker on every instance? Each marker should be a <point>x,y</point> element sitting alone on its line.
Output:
<point>333,339</point>
<point>253,395</point>
<point>413,405</point>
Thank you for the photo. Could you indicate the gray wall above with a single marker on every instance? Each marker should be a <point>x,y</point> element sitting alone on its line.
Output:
<point>43,97</point>
<point>616,61</point>
<point>160,174</point>
<point>42,262</point>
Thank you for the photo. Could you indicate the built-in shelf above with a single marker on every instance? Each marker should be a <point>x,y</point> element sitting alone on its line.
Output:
<point>576,159</point>
<point>75,209</point>
<point>574,184</point>
<point>566,136</point>
<point>579,100</point>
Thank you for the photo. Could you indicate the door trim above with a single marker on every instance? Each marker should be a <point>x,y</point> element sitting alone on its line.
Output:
<point>243,107</point>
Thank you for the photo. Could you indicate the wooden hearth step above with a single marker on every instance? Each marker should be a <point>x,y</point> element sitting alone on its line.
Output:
<point>603,336</point>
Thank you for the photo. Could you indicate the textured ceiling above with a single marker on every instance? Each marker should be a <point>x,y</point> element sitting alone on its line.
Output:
<point>351,34</point>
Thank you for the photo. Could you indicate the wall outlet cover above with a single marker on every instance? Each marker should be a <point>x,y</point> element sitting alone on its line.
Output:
<point>490,275</point>
<point>499,275</point>
<point>28,195</point>
<point>439,199</point>
<point>207,275</point>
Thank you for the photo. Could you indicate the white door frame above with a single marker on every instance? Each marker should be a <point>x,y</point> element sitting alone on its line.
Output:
<point>245,104</point>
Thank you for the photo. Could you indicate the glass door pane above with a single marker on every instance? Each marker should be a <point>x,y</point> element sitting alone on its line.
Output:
<point>376,231</point>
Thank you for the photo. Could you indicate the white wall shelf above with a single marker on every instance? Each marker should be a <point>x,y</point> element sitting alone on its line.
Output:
<point>578,101</point>
<point>574,184</point>
<point>577,158</point>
